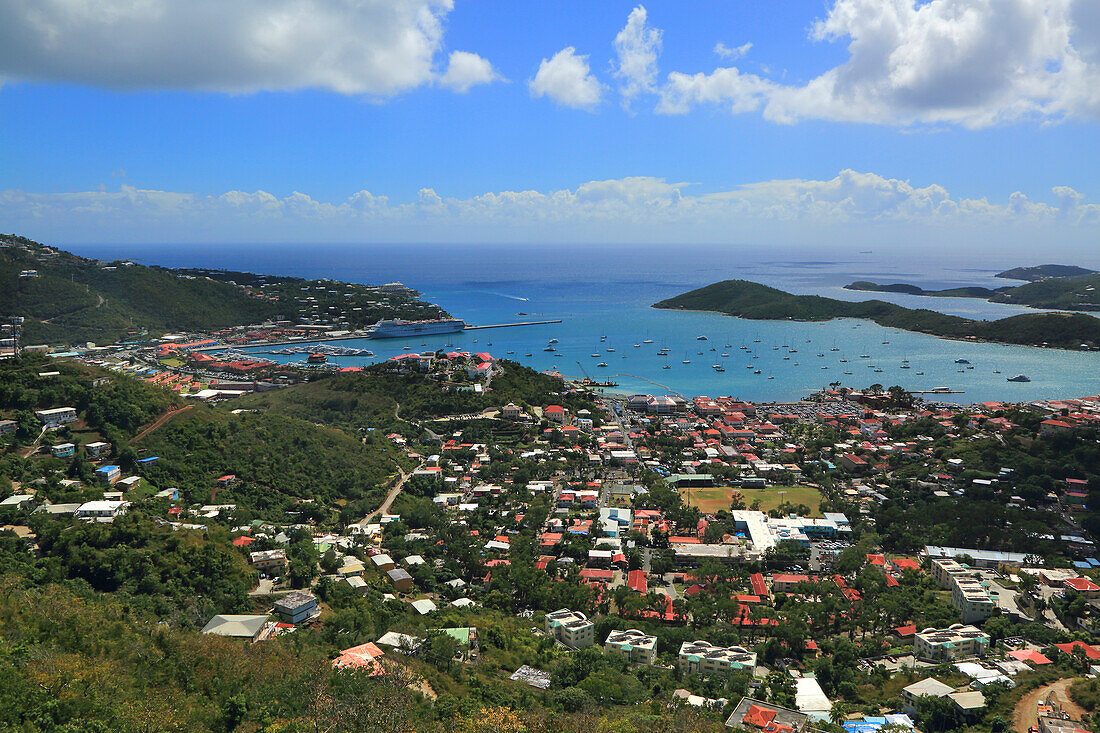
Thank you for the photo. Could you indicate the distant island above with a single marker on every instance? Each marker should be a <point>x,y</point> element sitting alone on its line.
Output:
<point>1044,272</point>
<point>1062,287</point>
<point>755,301</point>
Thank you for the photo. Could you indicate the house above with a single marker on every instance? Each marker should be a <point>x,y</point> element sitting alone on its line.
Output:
<point>383,563</point>
<point>97,448</point>
<point>56,416</point>
<point>107,475</point>
<point>555,413</point>
<point>8,426</point>
<point>268,561</point>
<point>19,501</point>
<point>1084,586</point>
<point>571,628</point>
<point>632,645</point>
<point>424,606</point>
<point>63,450</point>
<point>756,715</point>
<point>296,607</point>
<point>511,412</point>
<point>930,687</point>
<point>705,658</point>
<point>237,626</point>
<point>365,656</point>
<point>400,579</point>
<point>955,642</point>
<point>852,463</point>
<point>102,510</point>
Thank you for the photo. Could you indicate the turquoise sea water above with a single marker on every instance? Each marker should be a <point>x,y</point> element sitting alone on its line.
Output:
<point>606,292</point>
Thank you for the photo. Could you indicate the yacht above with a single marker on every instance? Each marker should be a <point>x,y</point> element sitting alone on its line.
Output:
<point>757,372</point>
<point>686,361</point>
<point>700,338</point>
<point>595,356</point>
<point>725,353</point>
<point>637,346</point>
<point>1019,378</point>
<point>553,341</point>
<point>549,348</point>
<point>962,361</point>
<point>602,364</point>
<point>610,349</point>
<point>667,366</point>
<point>647,341</point>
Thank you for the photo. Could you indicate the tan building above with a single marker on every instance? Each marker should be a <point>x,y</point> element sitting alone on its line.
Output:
<point>705,658</point>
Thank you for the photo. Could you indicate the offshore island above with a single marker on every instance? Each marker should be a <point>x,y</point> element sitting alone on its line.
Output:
<point>746,299</point>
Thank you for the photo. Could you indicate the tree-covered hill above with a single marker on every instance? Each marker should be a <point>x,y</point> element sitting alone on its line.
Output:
<point>371,398</point>
<point>281,463</point>
<point>755,301</point>
<point>73,299</point>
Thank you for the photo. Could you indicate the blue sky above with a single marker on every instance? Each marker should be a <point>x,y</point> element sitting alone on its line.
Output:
<point>947,119</point>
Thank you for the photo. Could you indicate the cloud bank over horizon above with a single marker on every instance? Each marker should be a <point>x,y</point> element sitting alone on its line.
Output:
<point>852,206</point>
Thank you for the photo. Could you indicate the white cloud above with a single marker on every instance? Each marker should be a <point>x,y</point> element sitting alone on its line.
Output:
<point>910,62</point>
<point>732,53</point>
<point>637,47</point>
<point>857,206</point>
<point>377,47</point>
<point>566,79</point>
<point>466,70</point>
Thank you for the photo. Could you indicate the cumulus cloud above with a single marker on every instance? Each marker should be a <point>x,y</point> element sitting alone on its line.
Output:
<point>626,209</point>
<point>466,70</point>
<point>377,47</point>
<point>637,47</point>
<point>566,79</point>
<point>969,62</point>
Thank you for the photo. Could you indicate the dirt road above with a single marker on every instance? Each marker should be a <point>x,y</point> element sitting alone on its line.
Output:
<point>1024,714</point>
<point>159,422</point>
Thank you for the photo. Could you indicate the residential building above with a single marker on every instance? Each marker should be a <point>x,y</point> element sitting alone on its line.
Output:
<point>632,645</point>
<point>56,416</point>
<point>107,475</point>
<point>706,658</point>
<point>930,687</point>
<point>102,510</point>
<point>955,642</point>
<point>238,626</point>
<point>97,448</point>
<point>8,426</point>
<point>756,715</point>
<point>296,607</point>
<point>401,580</point>
<point>63,450</point>
<point>968,594</point>
<point>269,561</point>
<point>571,628</point>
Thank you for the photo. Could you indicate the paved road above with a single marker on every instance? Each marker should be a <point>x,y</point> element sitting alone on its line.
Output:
<point>388,502</point>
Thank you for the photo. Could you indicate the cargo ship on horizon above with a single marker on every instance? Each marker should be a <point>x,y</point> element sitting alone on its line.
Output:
<point>399,327</point>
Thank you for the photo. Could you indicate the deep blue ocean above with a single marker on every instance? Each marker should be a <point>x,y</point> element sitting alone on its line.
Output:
<point>605,291</point>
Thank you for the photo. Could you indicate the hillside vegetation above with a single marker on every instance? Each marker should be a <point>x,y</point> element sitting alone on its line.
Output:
<point>1042,272</point>
<point>74,299</point>
<point>1069,293</point>
<point>755,301</point>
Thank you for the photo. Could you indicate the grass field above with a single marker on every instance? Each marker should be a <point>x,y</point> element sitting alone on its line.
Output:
<point>710,500</point>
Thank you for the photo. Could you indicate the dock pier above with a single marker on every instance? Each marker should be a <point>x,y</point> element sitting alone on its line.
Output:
<point>511,325</point>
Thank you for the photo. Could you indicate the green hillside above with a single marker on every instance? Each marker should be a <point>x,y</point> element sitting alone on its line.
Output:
<point>74,299</point>
<point>1042,272</point>
<point>1069,293</point>
<point>752,300</point>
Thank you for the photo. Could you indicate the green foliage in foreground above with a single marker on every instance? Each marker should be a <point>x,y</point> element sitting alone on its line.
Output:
<point>753,300</point>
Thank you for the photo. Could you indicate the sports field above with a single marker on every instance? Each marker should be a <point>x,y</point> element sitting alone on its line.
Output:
<point>710,500</point>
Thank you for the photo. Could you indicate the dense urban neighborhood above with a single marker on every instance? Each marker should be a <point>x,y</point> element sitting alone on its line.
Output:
<point>199,540</point>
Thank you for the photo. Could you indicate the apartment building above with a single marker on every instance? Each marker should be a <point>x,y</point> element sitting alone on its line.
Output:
<point>706,658</point>
<point>632,645</point>
<point>968,594</point>
<point>955,642</point>
<point>571,628</point>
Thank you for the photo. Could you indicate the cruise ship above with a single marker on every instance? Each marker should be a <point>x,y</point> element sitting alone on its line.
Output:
<point>396,327</point>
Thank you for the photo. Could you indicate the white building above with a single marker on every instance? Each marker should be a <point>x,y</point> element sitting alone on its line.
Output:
<point>56,416</point>
<point>102,510</point>
<point>706,658</point>
<point>571,628</point>
<point>955,642</point>
<point>632,645</point>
